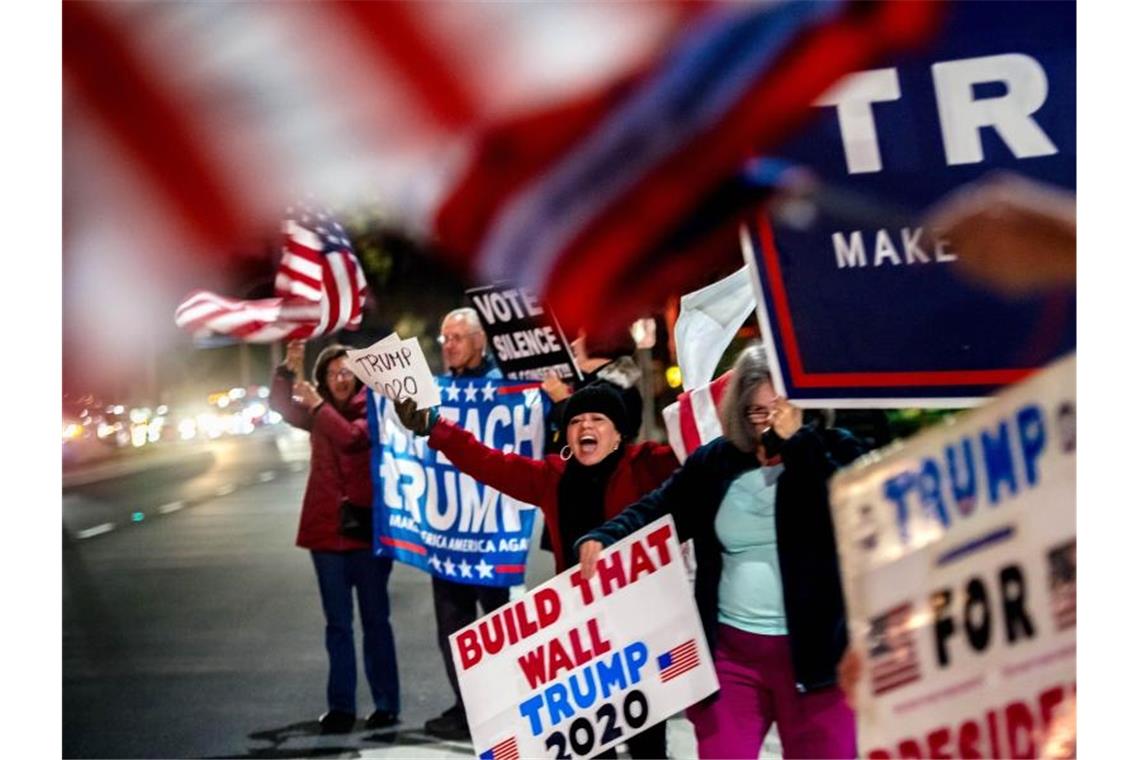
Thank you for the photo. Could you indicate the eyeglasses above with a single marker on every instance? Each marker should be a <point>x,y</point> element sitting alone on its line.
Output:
<point>453,338</point>
<point>757,413</point>
<point>340,374</point>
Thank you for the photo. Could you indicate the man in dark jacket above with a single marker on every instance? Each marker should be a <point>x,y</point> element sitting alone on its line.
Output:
<point>463,345</point>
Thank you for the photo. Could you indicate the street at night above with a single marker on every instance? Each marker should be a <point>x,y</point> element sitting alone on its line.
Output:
<point>198,632</point>
<point>701,375</point>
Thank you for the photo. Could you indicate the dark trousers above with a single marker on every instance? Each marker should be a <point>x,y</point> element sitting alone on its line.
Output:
<point>337,574</point>
<point>455,608</point>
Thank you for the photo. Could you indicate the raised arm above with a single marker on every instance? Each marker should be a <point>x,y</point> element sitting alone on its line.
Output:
<point>676,496</point>
<point>517,476</point>
<point>281,399</point>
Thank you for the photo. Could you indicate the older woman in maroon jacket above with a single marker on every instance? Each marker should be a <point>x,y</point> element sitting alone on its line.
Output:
<point>334,414</point>
<point>597,474</point>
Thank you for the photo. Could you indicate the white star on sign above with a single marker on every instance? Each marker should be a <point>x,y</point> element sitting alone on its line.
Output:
<point>434,562</point>
<point>484,569</point>
<point>452,392</point>
<point>488,392</point>
<point>465,568</point>
<point>469,393</point>
<point>449,566</point>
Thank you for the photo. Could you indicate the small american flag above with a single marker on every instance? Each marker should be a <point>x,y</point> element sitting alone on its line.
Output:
<point>508,749</point>
<point>892,651</point>
<point>319,288</point>
<point>678,660</point>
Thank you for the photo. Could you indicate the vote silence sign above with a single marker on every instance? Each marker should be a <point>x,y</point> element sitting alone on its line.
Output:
<point>858,306</point>
<point>525,338</point>
<point>577,666</point>
<point>959,554</point>
<point>428,514</point>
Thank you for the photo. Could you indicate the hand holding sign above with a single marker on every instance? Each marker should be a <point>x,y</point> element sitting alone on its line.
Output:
<point>786,418</point>
<point>419,421</point>
<point>588,554</point>
<point>396,369</point>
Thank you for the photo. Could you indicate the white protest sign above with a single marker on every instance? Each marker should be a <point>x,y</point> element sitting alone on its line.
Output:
<point>575,667</point>
<point>397,369</point>
<point>959,565</point>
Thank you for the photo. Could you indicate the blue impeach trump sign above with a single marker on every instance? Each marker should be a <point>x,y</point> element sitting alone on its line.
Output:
<point>858,306</point>
<point>430,515</point>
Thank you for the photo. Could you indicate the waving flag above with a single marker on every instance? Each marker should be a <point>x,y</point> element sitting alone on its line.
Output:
<point>320,289</point>
<point>692,419</point>
<point>576,202</point>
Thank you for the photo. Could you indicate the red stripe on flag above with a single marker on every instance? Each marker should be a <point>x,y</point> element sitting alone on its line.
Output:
<point>331,297</point>
<point>405,545</point>
<point>690,434</point>
<point>295,276</point>
<point>355,288</point>
<point>718,387</point>
<point>149,122</point>
<point>510,568</point>
<point>399,41</point>
<point>505,389</point>
<point>507,158</point>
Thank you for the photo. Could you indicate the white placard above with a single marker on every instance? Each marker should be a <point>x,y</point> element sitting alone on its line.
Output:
<point>959,565</point>
<point>575,667</point>
<point>396,369</point>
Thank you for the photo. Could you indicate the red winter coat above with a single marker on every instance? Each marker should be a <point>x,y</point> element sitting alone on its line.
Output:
<point>338,469</point>
<point>642,468</point>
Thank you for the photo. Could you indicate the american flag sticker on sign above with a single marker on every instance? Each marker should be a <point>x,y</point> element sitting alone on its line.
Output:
<point>508,749</point>
<point>891,650</point>
<point>678,660</point>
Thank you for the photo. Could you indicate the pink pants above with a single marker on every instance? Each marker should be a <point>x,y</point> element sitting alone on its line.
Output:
<point>757,688</point>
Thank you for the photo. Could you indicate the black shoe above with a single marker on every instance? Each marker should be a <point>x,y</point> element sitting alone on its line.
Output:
<point>381,719</point>
<point>337,722</point>
<point>451,725</point>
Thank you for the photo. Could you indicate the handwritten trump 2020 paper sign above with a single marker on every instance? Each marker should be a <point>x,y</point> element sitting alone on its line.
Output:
<point>430,515</point>
<point>959,564</point>
<point>575,667</point>
<point>396,369</point>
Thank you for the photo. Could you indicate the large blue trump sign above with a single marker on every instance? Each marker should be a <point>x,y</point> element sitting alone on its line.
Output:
<point>430,515</point>
<point>859,306</point>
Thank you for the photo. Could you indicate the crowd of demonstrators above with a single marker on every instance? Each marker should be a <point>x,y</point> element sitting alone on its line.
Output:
<point>464,345</point>
<point>767,584</point>
<point>598,472</point>
<point>333,412</point>
<point>754,501</point>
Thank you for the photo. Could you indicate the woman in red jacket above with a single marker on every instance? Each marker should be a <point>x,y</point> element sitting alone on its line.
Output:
<point>334,414</point>
<point>595,477</point>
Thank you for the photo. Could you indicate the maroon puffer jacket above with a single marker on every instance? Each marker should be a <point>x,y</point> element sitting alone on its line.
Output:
<point>642,468</point>
<point>338,469</point>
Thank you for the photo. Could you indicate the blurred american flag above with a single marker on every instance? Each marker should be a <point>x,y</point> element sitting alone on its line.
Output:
<point>216,114</point>
<point>320,289</point>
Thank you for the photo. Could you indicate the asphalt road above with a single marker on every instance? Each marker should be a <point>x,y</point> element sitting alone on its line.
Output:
<point>196,630</point>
